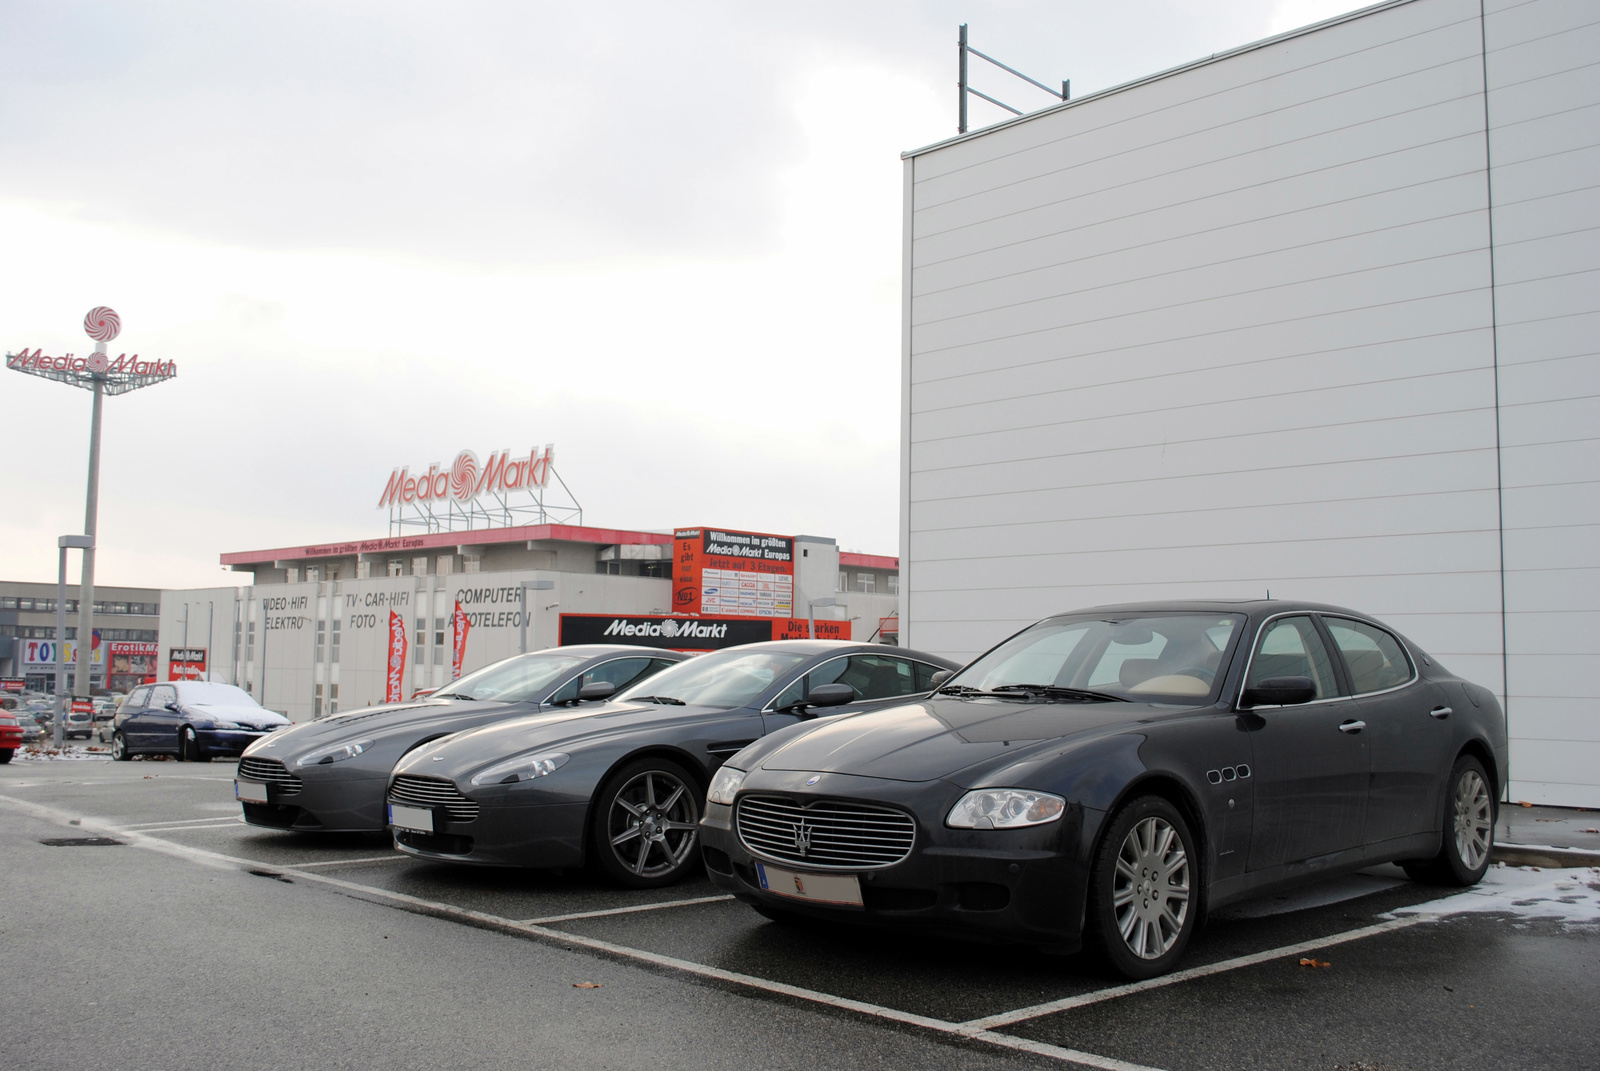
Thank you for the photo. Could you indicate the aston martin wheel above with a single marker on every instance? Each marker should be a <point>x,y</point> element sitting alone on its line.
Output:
<point>119,748</point>
<point>647,824</point>
<point>1469,814</point>
<point>1141,890</point>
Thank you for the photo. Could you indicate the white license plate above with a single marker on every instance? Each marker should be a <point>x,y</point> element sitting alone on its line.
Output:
<point>250,792</point>
<point>816,888</point>
<point>415,819</point>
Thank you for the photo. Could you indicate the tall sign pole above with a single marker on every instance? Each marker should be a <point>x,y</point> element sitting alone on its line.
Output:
<point>101,375</point>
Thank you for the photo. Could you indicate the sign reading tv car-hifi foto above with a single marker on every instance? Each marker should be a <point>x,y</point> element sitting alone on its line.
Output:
<point>724,573</point>
<point>690,633</point>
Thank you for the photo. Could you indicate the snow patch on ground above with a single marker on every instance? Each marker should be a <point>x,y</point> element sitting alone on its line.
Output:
<point>69,753</point>
<point>1568,895</point>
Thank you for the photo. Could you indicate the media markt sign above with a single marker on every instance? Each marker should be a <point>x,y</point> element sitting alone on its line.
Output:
<point>467,478</point>
<point>674,633</point>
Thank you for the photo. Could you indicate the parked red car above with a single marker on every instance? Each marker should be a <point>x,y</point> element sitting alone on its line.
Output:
<point>10,736</point>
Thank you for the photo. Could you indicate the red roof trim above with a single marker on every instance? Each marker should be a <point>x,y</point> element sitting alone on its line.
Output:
<point>479,537</point>
<point>869,561</point>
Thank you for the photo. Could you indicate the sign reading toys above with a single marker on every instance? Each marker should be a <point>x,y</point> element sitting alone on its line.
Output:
<point>722,573</point>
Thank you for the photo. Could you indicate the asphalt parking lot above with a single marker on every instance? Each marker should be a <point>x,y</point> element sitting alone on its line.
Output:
<point>462,967</point>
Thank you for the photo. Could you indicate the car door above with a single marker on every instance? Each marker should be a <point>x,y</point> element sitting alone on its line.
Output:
<point>620,672</point>
<point>158,725</point>
<point>1310,762</point>
<point>877,679</point>
<point>1408,729</point>
<point>131,717</point>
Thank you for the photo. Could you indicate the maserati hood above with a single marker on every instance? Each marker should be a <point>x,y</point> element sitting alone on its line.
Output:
<point>938,737</point>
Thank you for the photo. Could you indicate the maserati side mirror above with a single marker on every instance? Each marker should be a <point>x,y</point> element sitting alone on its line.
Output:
<point>1279,692</point>
<point>941,676</point>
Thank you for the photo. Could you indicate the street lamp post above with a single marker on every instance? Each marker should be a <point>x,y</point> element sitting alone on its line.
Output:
<point>100,375</point>
<point>85,544</point>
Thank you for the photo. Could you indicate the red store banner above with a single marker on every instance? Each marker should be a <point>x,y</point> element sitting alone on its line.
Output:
<point>460,625</point>
<point>397,659</point>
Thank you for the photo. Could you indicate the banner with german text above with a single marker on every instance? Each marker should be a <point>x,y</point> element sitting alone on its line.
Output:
<point>397,659</point>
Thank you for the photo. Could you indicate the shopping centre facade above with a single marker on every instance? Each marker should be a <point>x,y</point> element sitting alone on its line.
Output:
<point>321,625</point>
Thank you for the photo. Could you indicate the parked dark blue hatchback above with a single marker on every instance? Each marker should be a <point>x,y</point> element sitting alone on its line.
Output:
<point>194,720</point>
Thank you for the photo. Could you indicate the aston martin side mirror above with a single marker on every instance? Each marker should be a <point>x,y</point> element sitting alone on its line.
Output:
<point>830,695</point>
<point>1279,692</point>
<point>596,690</point>
<point>941,676</point>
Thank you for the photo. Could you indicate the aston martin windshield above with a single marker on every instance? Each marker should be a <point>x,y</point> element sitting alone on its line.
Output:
<point>1162,657</point>
<point>516,680</point>
<point>722,679</point>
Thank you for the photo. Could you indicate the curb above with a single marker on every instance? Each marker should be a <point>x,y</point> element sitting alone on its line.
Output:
<point>1540,855</point>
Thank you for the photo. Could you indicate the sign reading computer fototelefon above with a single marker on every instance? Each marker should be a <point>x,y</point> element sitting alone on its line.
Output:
<point>467,478</point>
<point>720,572</point>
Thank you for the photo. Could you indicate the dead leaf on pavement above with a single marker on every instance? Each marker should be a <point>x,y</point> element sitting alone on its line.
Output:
<point>1524,803</point>
<point>587,985</point>
<point>1314,962</point>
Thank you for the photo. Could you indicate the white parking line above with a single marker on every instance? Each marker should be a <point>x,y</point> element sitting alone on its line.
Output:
<point>221,823</point>
<point>979,1030</point>
<point>393,857</point>
<point>624,910</point>
<point>176,824</point>
<point>989,1022</point>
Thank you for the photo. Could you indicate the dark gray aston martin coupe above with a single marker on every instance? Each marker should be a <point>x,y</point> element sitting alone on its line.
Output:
<point>1108,776</point>
<point>623,786</point>
<point>330,775</point>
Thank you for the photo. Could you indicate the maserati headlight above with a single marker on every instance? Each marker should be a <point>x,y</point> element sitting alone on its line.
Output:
<point>336,753</point>
<point>725,785</point>
<point>521,768</point>
<point>1004,808</point>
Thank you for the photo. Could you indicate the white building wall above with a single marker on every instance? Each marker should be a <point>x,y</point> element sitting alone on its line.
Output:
<point>1231,329</point>
<point>1543,66</point>
<point>210,617</point>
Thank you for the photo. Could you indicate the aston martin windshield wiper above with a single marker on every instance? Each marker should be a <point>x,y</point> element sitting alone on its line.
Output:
<point>959,689</point>
<point>452,695</point>
<point>1055,691</point>
<point>666,700</point>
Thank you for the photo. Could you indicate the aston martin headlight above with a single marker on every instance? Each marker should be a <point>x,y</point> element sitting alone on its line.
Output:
<point>725,785</point>
<point>1004,808</point>
<point>336,753</point>
<point>521,768</point>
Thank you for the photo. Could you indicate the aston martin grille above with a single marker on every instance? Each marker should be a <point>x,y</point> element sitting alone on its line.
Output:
<point>272,772</point>
<point>826,834</point>
<point>433,792</point>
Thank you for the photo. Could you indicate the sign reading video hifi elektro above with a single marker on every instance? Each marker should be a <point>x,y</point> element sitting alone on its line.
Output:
<point>721,573</point>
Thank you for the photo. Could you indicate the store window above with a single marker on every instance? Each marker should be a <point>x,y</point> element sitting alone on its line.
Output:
<point>334,653</point>
<point>447,564</point>
<point>844,581</point>
<point>419,566</point>
<point>313,574</point>
<point>396,567</point>
<point>894,583</point>
<point>291,574</point>
<point>321,645</point>
<point>865,582</point>
<point>316,702</point>
<point>438,641</point>
<point>333,695</point>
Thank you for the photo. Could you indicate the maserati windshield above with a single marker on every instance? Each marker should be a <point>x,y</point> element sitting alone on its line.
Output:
<point>1162,657</point>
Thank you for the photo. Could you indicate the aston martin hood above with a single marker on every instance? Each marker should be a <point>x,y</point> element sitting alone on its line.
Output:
<point>937,737</point>
<point>466,752</point>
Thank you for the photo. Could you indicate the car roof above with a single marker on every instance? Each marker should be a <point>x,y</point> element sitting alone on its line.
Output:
<point>1221,606</point>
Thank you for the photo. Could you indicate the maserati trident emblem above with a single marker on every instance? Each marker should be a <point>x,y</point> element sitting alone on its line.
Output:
<point>802,838</point>
<point>813,780</point>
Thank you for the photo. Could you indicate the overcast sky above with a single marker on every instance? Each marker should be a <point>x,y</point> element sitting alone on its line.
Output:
<point>665,238</point>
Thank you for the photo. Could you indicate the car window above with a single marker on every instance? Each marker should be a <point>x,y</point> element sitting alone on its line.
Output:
<point>136,698</point>
<point>1374,658</point>
<point>1292,647</point>
<point>871,676</point>
<point>161,695</point>
<point>620,672</point>
<point>924,675</point>
<point>722,679</point>
<point>519,679</point>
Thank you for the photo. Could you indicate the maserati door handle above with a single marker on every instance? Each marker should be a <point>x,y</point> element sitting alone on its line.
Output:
<point>1352,726</point>
<point>1441,712</point>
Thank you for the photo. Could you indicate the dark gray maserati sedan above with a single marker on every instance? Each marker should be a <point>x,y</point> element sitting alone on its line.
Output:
<point>1106,777</point>
<point>330,775</point>
<point>622,786</point>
